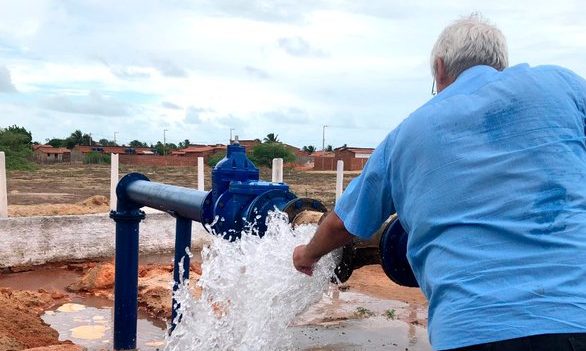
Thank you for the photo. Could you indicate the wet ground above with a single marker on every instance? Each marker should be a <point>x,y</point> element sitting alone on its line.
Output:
<point>353,319</point>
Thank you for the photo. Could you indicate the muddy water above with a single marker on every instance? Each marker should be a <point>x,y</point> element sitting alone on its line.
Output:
<point>84,319</point>
<point>91,327</point>
<point>342,321</point>
<point>345,321</point>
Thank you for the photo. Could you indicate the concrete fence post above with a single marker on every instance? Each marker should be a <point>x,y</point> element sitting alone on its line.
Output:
<point>277,170</point>
<point>200,174</point>
<point>339,179</point>
<point>114,177</point>
<point>3,189</point>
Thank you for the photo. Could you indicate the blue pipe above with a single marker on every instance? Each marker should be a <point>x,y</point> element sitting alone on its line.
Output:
<point>127,219</point>
<point>182,242</point>
<point>179,201</point>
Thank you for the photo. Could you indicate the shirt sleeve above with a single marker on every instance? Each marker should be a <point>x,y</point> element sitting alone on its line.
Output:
<point>367,202</point>
<point>579,85</point>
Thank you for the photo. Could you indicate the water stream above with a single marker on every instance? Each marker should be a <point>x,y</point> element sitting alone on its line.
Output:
<point>252,299</point>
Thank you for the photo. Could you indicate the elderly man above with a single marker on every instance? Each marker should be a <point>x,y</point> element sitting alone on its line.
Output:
<point>489,180</point>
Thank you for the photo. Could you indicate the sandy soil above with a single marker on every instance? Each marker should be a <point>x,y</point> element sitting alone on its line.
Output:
<point>21,327</point>
<point>154,293</point>
<point>82,189</point>
<point>73,184</point>
<point>94,204</point>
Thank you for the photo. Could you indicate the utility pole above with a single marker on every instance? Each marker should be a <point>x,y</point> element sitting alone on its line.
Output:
<point>231,129</point>
<point>115,137</point>
<point>164,142</point>
<point>323,140</point>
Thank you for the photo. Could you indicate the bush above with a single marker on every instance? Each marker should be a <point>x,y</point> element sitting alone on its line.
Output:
<point>95,157</point>
<point>16,143</point>
<point>215,158</point>
<point>263,154</point>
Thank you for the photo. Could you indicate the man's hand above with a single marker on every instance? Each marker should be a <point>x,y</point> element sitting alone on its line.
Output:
<point>330,235</point>
<point>302,261</point>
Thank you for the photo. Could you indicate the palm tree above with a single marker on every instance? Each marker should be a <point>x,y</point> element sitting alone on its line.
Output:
<point>271,138</point>
<point>310,149</point>
<point>76,137</point>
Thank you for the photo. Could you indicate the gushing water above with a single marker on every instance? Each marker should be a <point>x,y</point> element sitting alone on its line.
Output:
<point>250,292</point>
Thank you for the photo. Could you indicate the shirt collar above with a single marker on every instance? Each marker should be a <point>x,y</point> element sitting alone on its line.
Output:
<point>474,72</point>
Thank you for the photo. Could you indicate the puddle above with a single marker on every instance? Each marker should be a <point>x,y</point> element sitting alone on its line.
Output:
<point>375,333</point>
<point>91,327</point>
<point>49,279</point>
<point>341,321</point>
<point>359,322</point>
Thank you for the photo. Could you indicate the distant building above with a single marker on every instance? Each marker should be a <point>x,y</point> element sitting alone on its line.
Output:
<point>79,151</point>
<point>324,161</point>
<point>354,158</point>
<point>50,154</point>
<point>195,151</point>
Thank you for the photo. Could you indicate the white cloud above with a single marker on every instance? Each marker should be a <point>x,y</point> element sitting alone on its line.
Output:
<point>92,104</point>
<point>6,85</point>
<point>297,46</point>
<point>258,66</point>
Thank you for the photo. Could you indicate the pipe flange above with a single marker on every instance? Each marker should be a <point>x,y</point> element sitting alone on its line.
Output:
<point>264,203</point>
<point>125,182</point>
<point>300,204</point>
<point>393,255</point>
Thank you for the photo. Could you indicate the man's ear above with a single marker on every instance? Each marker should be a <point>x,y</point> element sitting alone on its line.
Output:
<point>442,78</point>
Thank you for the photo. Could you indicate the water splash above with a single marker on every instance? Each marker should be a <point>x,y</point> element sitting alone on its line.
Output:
<point>251,292</point>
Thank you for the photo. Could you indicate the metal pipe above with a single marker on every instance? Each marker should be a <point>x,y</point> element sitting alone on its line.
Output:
<point>126,276</point>
<point>180,201</point>
<point>182,242</point>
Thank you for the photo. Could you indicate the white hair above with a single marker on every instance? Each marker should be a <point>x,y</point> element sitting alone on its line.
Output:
<point>468,42</point>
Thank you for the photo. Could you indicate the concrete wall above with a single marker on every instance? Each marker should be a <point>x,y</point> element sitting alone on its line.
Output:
<point>324,163</point>
<point>26,241</point>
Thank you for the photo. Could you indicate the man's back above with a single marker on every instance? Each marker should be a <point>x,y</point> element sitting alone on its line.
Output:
<point>489,179</point>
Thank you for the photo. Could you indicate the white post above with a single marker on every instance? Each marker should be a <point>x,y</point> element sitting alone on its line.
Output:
<point>113,180</point>
<point>3,189</point>
<point>339,179</point>
<point>200,173</point>
<point>277,170</point>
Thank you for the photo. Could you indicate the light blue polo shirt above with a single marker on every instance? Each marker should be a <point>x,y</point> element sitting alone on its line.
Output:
<point>489,180</point>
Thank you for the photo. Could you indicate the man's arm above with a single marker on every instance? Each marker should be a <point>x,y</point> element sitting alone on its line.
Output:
<point>330,235</point>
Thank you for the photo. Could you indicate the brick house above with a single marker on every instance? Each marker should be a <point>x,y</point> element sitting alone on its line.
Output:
<point>196,151</point>
<point>354,157</point>
<point>324,161</point>
<point>50,154</point>
<point>79,151</point>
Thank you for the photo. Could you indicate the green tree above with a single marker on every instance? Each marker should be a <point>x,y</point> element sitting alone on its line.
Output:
<point>137,143</point>
<point>184,144</point>
<point>16,143</point>
<point>106,142</point>
<point>77,138</point>
<point>271,138</point>
<point>56,142</point>
<point>215,158</point>
<point>263,154</point>
<point>310,149</point>
<point>86,139</point>
<point>329,148</point>
<point>95,157</point>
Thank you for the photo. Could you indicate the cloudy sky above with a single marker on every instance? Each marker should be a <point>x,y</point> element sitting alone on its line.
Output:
<point>199,68</point>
